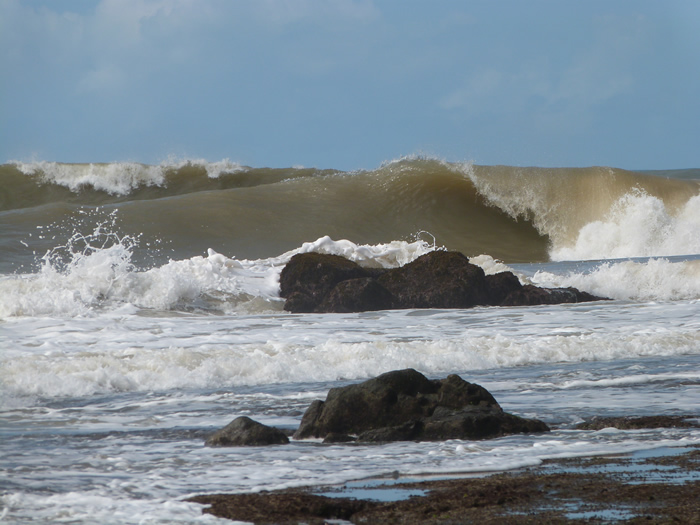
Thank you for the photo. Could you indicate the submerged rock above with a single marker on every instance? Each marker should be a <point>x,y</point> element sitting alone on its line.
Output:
<point>244,431</point>
<point>642,422</point>
<point>405,405</point>
<point>314,282</point>
<point>530,295</point>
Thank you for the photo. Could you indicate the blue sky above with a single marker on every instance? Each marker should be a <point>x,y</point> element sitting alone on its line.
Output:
<point>349,84</point>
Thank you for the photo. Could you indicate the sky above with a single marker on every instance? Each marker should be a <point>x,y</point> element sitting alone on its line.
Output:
<point>349,84</point>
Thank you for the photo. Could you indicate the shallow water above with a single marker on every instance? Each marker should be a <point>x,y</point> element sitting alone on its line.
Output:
<point>94,422</point>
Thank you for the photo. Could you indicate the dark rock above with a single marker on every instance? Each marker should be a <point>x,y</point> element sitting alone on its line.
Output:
<point>405,405</point>
<point>437,279</point>
<point>300,303</point>
<point>338,438</point>
<point>409,431</point>
<point>278,508</point>
<point>385,400</point>
<point>478,423</point>
<point>309,277</point>
<point>244,431</point>
<point>530,295</point>
<point>500,285</point>
<point>467,423</point>
<point>313,282</point>
<point>636,423</point>
<point>357,295</point>
<point>457,393</point>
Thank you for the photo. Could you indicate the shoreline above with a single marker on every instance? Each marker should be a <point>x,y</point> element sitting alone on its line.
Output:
<point>648,486</point>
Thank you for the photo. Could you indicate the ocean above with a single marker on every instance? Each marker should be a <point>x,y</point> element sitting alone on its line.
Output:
<point>139,312</point>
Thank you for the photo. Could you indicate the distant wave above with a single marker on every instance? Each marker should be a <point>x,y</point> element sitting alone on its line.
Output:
<point>510,213</point>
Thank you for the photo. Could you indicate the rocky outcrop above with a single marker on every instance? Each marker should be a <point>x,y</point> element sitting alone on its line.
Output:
<point>437,280</point>
<point>405,405</point>
<point>642,422</point>
<point>244,431</point>
<point>314,282</point>
<point>309,277</point>
<point>357,295</point>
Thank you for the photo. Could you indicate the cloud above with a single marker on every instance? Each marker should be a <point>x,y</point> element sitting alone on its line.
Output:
<point>602,68</point>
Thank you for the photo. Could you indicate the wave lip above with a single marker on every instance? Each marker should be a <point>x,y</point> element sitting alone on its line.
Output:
<point>598,213</point>
<point>113,178</point>
<point>117,178</point>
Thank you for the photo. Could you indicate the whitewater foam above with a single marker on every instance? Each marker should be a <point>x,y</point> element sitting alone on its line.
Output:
<point>123,351</point>
<point>597,213</point>
<point>638,225</point>
<point>95,271</point>
<point>651,280</point>
<point>117,178</point>
<point>389,255</point>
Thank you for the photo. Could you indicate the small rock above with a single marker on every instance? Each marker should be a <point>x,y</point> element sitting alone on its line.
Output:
<point>636,423</point>
<point>244,431</point>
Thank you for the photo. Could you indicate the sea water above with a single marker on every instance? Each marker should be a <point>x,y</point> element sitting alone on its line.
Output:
<point>124,343</point>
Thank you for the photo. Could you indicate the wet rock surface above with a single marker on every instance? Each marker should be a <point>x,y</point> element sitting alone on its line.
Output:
<point>405,405</point>
<point>580,490</point>
<point>309,277</point>
<point>322,283</point>
<point>636,423</point>
<point>244,431</point>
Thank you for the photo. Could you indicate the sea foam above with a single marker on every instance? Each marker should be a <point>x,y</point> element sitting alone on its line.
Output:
<point>118,178</point>
<point>638,225</point>
<point>656,279</point>
<point>127,351</point>
<point>95,271</point>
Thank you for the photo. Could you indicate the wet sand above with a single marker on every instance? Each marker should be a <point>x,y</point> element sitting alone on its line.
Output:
<point>653,486</point>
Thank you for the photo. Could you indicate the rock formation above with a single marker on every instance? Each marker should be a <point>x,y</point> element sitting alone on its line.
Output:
<point>322,283</point>
<point>405,405</point>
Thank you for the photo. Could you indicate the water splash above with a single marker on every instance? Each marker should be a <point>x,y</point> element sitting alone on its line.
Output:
<point>638,225</point>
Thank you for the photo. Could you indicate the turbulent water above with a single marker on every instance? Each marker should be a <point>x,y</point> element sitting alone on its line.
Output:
<point>139,311</point>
